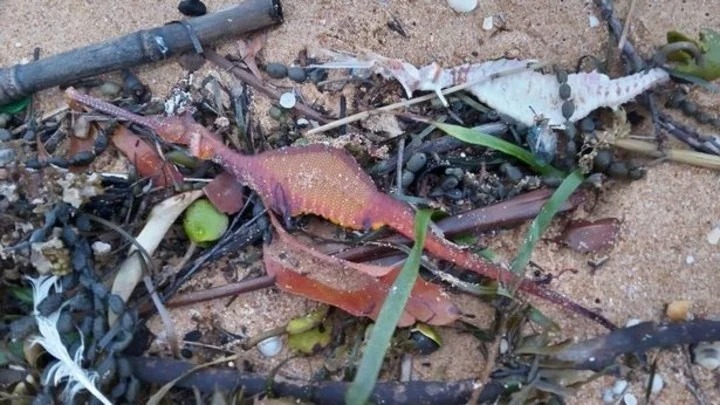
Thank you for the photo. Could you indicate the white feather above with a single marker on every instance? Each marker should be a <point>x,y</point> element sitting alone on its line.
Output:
<point>67,368</point>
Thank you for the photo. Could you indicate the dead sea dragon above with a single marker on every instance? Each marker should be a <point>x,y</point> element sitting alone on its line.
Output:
<point>323,181</point>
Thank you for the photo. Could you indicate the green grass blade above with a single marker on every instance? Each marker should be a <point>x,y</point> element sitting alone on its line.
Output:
<point>542,221</point>
<point>474,137</point>
<point>388,318</point>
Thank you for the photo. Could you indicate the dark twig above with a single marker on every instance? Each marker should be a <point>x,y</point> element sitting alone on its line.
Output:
<point>160,371</point>
<point>256,83</point>
<point>600,352</point>
<point>240,287</point>
<point>595,354</point>
<point>150,45</point>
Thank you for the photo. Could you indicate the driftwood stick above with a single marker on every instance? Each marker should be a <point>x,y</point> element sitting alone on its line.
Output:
<point>143,46</point>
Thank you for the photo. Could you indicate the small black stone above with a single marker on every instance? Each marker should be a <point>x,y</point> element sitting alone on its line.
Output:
<point>186,353</point>
<point>276,70</point>
<point>407,178</point>
<point>416,162</point>
<point>59,161</point>
<point>5,135</point>
<point>568,109</point>
<point>565,91</point>
<point>192,8</point>
<point>618,170</point>
<point>561,75</point>
<point>297,74</point>
<point>587,125</point>
<point>449,183</point>
<point>193,336</point>
<point>511,172</point>
<point>602,160</point>
<point>689,107</point>
<point>82,158</point>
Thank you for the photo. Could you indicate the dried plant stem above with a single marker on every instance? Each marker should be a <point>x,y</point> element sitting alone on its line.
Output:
<point>626,27</point>
<point>256,83</point>
<point>676,155</point>
<point>223,291</point>
<point>417,100</point>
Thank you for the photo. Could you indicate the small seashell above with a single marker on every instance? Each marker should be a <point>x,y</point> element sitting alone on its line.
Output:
<point>488,23</point>
<point>287,100</point>
<point>271,346</point>
<point>713,237</point>
<point>657,384</point>
<point>462,6</point>
<point>619,387</point>
<point>629,399</point>
<point>707,355</point>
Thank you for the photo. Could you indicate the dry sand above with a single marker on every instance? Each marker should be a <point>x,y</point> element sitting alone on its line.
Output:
<point>666,216</point>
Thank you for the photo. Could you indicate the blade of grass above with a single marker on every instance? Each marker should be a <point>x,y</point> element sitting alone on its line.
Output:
<point>387,320</point>
<point>474,137</point>
<point>542,221</point>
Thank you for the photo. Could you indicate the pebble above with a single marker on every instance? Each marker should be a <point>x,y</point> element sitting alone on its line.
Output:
<point>287,100</point>
<point>618,170</point>
<point>449,183</point>
<point>6,156</point>
<point>276,70</point>
<point>463,6</point>
<point>110,89</point>
<point>302,122</point>
<point>568,109</point>
<point>593,21</point>
<point>629,399</point>
<point>587,125</point>
<point>4,119</point>
<point>192,8</point>
<point>633,322</point>
<point>565,91</point>
<point>511,172</point>
<point>275,113</point>
<point>271,346</point>
<point>297,74</point>
<point>690,260</point>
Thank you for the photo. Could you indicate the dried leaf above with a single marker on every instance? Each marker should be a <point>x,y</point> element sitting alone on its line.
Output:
<point>226,194</point>
<point>145,158</point>
<point>300,270</point>
<point>161,218</point>
<point>590,236</point>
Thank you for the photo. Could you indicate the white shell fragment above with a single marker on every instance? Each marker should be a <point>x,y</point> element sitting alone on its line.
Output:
<point>707,355</point>
<point>619,387</point>
<point>488,23</point>
<point>463,6</point>
<point>271,346</point>
<point>713,237</point>
<point>511,87</point>
<point>629,399</point>
<point>287,100</point>
<point>593,21</point>
<point>657,384</point>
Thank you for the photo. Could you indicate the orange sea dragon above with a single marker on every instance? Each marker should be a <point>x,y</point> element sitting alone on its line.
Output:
<point>323,181</point>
